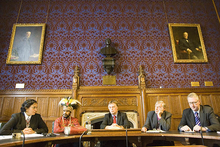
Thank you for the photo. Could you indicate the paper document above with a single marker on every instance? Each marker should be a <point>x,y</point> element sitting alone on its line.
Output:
<point>33,135</point>
<point>189,131</point>
<point>26,136</point>
<point>155,131</point>
<point>5,137</point>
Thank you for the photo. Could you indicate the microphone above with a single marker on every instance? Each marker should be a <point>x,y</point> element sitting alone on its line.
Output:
<point>23,138</point>
<point>201,136</point>
<point>80,138</point>
<point>126,137</point>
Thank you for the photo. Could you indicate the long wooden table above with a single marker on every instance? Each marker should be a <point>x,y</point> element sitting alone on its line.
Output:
<point>133,135</point>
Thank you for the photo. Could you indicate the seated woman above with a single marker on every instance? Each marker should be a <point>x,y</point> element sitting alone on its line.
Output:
<point>27,120</point>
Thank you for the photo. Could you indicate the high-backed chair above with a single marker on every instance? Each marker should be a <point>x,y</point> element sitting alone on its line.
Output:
<point>53,127</point>
<point>2,124</point>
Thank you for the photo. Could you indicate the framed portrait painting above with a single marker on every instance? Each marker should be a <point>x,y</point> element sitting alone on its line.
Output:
<point>187,43</point>
<point>26,45</point>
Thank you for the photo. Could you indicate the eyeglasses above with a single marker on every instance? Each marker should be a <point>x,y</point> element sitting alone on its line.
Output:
<point>190,103</point>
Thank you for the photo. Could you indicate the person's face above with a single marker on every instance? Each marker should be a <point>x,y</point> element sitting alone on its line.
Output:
<point>185,35</point>
<point>194,103</point>
<point>66,113</point>
<point>28,34</point>
<point>159,107</point>
<point>108,41</point>
<point>113,109</point>
<point>32,109</point>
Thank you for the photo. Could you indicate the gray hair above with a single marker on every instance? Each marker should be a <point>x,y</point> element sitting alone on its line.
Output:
<point>193,95</point>
<point>161,102</point>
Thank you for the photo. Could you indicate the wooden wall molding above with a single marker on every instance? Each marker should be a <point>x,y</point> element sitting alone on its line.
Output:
<point>108,89</point>
<point>179,90</point>
<point>36,91</point>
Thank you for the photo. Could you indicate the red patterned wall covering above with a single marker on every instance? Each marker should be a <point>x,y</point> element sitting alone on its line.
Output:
<point>77,29</point>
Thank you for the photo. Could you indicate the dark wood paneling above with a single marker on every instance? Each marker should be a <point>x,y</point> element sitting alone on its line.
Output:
<point>176,100</point>
<point>48,100</point>
<point>97,98</point>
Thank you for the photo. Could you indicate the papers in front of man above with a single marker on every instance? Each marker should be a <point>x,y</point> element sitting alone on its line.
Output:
<point>5,137</point>
<point>155,131</point>
<point>26,136</point>
<point>32,135</point>
<point>189,131</point>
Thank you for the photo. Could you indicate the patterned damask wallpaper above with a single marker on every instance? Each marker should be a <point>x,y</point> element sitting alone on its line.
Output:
<point>77,29</point>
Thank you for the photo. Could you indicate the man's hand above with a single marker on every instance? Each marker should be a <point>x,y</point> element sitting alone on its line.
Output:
<point>108,127</point>
<point>143,129</point>
<point>198,49</point>
<point>159,113</point>
<point>28,131</point>
<point>185,128</point>
<point>198,128</point>
<point>189,50</point>
<point>114,126</point>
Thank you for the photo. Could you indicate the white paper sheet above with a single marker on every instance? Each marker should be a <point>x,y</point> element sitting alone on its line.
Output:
<point>155,131</point>
<point>5,137</point>
<point>33,135</point>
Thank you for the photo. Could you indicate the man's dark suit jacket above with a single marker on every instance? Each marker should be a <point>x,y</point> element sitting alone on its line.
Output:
<point>18,123</point>
<point>152,121</point>
<point>184,44</point>
<point>207,118</point>
<point>122,120</point>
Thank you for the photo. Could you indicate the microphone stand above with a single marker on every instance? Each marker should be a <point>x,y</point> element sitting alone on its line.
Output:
<point>201,136</point>
<point>126,137</point>
<point>80,138</point>
<point>23,138</point>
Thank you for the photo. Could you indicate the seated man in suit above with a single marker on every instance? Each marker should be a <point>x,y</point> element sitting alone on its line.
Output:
<point>189,49</point>
<point>114,120</point>
<point>198,117</point>
<point>159,119</point>
<point>28,120</point>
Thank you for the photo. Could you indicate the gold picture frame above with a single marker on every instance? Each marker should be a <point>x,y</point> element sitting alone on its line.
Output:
<point>26,45</point>
<point>187,43</point>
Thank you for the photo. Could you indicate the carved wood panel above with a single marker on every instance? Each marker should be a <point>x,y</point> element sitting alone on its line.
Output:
<point>177,102</point>
<point>216,103</point>
<point>17,105</point>
<point>7,109</point>
<point>11,102</point>
<point>43,106</point>
<point>1,105</point>
<point>100,102</point>
<point>175,105</point>
<point>53,108</point>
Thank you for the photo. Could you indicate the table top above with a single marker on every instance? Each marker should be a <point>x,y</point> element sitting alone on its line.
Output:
<point>102,133</point>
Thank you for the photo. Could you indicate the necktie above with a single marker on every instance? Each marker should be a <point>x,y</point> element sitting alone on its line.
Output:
<point>28,122</point>
<point>197,119</point>
<point>114,119</point>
